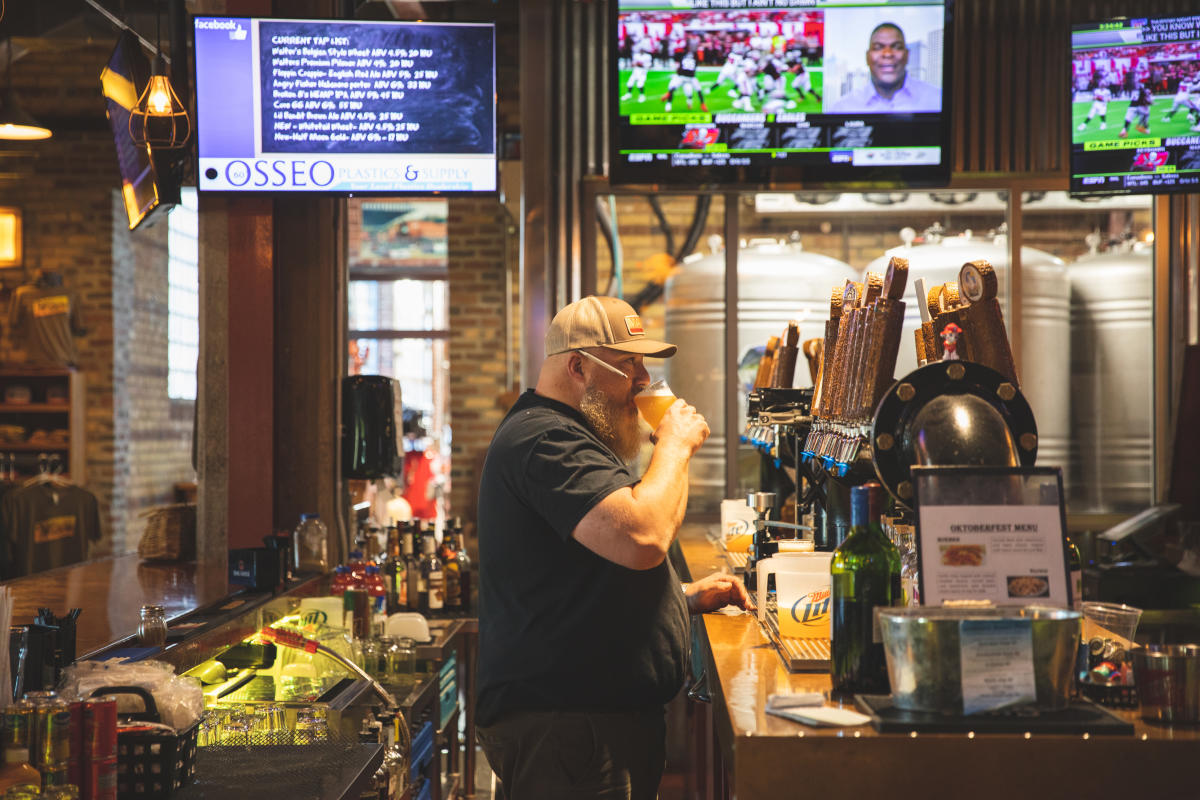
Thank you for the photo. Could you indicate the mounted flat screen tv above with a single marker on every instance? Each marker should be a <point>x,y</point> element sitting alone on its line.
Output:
<point>808,93</point>
<point>289,105</point>
<point>1135,106</point>
<point>122,81</point>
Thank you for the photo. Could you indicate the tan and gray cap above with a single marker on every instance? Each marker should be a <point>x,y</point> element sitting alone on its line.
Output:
<point>597,321</point>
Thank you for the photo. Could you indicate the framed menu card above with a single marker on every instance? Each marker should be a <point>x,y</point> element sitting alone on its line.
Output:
<point>991,533</point>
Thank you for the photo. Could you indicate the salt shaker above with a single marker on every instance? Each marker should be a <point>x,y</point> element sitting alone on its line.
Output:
<point>152,628</point>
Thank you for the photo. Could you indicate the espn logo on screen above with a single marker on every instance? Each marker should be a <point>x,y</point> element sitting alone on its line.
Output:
<point>633,324</point>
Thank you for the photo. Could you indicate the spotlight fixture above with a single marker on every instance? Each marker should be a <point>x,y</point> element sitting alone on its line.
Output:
<point>159,119</point>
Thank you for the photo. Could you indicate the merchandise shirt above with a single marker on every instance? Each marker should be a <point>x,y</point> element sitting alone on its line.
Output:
<point>561,628</point>
<point>44,526</point>
<point>43,320</point>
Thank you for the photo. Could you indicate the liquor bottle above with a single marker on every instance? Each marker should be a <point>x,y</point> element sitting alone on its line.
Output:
<point>432,597</point>
<point>17,771</point>
<point>412,566</point>
<point>865,576</point>
<point>464,572</point>
<point>395,573</point>
<point>445,550</point>
<point>448,553</point>
<point>1075,568</point>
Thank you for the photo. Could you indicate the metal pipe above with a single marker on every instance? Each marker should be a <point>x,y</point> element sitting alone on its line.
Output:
<point>108,15</point>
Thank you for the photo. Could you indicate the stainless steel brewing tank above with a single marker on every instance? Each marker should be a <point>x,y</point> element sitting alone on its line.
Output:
<point>777,282</point>
<point>1044,359</point>
<point>1112,356</point>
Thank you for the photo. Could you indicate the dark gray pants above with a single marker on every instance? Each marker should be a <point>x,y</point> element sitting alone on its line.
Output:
<point>548,755</point>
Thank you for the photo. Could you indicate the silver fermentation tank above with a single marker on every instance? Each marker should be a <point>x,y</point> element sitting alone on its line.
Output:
<point>778,281</point>
<point>1044,359</point>
<point>1112,304</point>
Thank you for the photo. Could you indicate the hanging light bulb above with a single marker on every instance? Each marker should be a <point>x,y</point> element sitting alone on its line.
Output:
<point>15,122</point>
<point>159,119</point>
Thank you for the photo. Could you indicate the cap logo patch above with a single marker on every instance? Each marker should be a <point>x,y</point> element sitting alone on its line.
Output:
<point>633,323</point>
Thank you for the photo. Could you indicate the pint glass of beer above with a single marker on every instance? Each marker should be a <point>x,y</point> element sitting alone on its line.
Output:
<point>653,402</point>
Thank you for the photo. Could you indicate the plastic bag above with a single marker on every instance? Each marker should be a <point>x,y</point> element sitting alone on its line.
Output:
<point>180,699</point>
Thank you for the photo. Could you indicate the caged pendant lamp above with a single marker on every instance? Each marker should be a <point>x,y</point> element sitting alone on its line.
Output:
<point>15,122</point>
<point>159,119</point>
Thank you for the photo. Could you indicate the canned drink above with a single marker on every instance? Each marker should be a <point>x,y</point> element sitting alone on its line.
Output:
<point>76,762</point>
<point>55,776</point>
<point>100,780</point>
<point>51,746</point>
<point>18,726</point>
<point>68,792</point>
<point>100,728</point>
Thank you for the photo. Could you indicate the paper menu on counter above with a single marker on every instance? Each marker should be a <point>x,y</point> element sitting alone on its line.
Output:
<point>997,664</point>
<point>991,534</point>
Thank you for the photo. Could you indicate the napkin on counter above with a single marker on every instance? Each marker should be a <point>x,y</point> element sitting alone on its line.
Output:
<point>809,708</point>
<point>792,700</point>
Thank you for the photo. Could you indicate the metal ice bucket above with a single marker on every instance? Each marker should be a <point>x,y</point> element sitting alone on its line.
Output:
<point>1168,682</point>
<point>924,655</point>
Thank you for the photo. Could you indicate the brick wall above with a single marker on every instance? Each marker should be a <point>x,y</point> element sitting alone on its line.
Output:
<point>154,430</point>
<point>74,224</point>
<point>479,249</point>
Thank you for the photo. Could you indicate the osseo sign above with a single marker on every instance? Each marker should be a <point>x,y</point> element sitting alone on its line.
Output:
<point>275,174</point>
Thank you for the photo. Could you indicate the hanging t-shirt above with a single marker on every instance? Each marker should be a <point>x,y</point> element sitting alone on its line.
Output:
<point>45,525</point>
<point>44,320</point>
<point>418,484</point>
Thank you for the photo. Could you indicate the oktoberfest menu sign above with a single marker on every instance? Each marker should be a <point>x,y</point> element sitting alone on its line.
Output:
<point>991,534</point>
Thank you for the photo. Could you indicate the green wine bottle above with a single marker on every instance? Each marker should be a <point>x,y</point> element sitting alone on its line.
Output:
<point>865,575</point>
<point>1075,570</point>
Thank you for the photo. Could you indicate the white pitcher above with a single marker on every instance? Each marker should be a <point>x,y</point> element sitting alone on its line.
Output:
<point>802,586</point>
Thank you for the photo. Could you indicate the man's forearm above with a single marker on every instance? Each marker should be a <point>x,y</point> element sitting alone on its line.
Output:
<point>662,493</point>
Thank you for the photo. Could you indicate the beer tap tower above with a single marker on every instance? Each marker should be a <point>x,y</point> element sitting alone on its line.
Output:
<point>963,407</point>
<point>862,340</point>
<point>778,420</point>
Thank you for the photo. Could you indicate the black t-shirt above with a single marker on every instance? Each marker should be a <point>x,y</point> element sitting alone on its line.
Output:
<point>43,526</point>
<point>561,628</point>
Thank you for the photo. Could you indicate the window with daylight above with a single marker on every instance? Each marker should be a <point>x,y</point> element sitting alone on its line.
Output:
<point>399,325</point>
<point>183,297</point>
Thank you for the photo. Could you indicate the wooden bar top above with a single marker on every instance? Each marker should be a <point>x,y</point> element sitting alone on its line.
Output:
<point>111,591</point>
<point>764,754</point>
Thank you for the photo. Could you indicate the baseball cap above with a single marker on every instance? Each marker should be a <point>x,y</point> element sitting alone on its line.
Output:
<point>597,321</point>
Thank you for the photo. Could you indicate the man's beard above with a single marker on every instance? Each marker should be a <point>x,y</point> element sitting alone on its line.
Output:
<point>614,423</point>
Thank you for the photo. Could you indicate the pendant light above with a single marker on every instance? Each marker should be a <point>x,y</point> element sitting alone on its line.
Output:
<point>159,119</point>
<point>15,122</point>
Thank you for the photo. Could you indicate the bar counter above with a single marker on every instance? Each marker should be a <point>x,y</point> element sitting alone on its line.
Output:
<point>759,756</point>
<point>111,591</point>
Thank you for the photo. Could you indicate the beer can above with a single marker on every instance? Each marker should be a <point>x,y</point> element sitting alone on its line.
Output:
<point>51,747</point>
<point>76,762</point>
<point>100,728</point>
<point>18,725</point>
<point>100,780</point>
<point>55,776</point>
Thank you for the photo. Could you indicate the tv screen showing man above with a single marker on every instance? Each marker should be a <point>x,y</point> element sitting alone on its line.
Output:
<point>901,69</point>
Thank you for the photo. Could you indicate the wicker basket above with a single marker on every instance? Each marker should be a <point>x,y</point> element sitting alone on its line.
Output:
<point>170,533</point>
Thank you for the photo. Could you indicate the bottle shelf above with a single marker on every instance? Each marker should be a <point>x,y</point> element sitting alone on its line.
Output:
<point>29,447</point>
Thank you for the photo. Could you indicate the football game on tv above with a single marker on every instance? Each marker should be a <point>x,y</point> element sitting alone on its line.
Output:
<point>806,92</point>
<point>1135,105</point>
